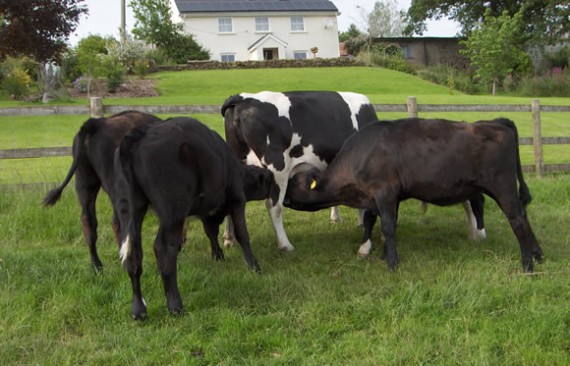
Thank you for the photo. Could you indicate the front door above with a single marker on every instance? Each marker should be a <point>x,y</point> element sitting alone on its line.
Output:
<point>270,54</point>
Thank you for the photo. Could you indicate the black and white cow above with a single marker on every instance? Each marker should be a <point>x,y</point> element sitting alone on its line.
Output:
<point>295,131</point>
<point>435,161</point>
<point>93,153</point>
<point>292,131</point>
<point>183,168</point>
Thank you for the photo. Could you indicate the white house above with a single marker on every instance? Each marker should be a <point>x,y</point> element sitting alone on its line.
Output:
<point>244,30</point>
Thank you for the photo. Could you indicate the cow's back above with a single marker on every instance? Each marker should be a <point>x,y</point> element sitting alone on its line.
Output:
<point>187,165</point>
<point>322,120</point>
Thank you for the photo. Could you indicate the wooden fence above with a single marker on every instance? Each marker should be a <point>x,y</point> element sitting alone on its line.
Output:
<point>97,109</point>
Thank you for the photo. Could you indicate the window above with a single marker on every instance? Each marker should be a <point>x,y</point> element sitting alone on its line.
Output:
<point>262,24</point>
<point>407,51</point>
<point>297,24</point>
<point>299,55</point>
<point>225,25</point>
<point>228,57</point>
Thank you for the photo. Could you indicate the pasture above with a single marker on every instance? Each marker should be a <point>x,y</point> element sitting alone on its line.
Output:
<point>452,301</point>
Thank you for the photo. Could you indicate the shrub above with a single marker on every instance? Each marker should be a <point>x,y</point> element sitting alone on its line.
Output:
<point>15,77</point>
<point>141,68</point>
<point>389,56</point>
<point>114,71</point>
<point>128,52</point>
<point>158,57</point>
<point>16,83</point>
<point>554,83</point>
<point>560,58</point>
<point>70,66</point>
<point>182,48</point>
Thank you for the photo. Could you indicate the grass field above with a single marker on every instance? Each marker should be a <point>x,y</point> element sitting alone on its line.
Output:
<point>213,87</point>
<point>452,301</point>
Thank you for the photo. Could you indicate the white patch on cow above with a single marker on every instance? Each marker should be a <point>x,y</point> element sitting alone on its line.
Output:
<point>252,159</point>
<point>474,233</point>
<point>481,234</point>
<point>125,249</point>
<point>355,102</point>
<point>279,100</point>
<point>335,216</point>
<point>365,248</point>
<point>360,219</point>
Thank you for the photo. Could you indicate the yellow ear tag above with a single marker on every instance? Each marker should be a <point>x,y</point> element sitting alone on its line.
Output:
<point>313,184</point>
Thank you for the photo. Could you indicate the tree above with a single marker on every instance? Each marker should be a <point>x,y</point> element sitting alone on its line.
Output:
<point>544,20</point>
<point>37,28</point>
<point>386,20</point>
<point>153,24</point>
<point>493,48</point>
<point>352,32</point>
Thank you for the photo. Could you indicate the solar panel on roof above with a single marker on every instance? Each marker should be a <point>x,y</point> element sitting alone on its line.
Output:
<point>188,6</point>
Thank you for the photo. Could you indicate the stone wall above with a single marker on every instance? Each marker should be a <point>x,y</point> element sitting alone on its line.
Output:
<point>217,65</point>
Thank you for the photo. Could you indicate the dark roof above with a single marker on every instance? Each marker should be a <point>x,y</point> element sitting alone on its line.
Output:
<point>211,6</point>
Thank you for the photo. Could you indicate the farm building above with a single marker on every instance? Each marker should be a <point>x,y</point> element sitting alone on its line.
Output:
<point>252,30</point>
<point>429,51</point>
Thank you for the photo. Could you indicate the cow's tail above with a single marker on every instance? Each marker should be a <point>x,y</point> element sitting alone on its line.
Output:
<point>230,103</point>
<point>524,193</point>
<point>198,156</point>
<point>88,128</point>
<point>125,161</point>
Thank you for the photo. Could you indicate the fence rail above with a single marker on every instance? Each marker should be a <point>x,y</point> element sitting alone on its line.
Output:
<point>97,109</point>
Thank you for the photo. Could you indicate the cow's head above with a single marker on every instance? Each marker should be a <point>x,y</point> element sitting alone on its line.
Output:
<point>259,184</point>
<point>303,191</point>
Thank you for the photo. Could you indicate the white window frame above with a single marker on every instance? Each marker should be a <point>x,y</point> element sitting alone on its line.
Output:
<point>229,57</point>
<point>225,25</point>
<point>300,55</point>
<point>297,24</point>
<point>261,24</point>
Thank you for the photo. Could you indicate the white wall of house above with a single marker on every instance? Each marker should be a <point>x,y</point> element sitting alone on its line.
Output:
<point>320,30</point>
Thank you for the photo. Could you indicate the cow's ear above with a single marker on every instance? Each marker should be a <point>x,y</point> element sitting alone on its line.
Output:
<point>312,179</point>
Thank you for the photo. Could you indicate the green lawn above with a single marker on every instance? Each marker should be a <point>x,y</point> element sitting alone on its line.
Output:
<point>452,301</point>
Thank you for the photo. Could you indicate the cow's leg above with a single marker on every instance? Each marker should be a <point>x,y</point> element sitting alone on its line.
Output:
<point>474,212</point>
<point>116,225</point>
<point>276,211</point>
<point>369,220</point>
<point>242,236</point>
<point>276,214</point>
<point>166,248</point>
<point>335,215</point>
<point>132,255</point>
<point>360,217</point>
<point>212,228</point>
<point>87,194</point>
<point>515,212</point>
<point>229,236</point>
<point>388,211</point>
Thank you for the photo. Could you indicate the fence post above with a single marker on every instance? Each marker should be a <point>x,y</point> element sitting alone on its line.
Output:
<point>537,137</point>
<point>96,107</point>
<point>412,107</point>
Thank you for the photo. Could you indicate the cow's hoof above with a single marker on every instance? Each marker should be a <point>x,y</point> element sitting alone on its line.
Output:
<point>228,243</point>
<point>218,256</point>
<point>97,267</point>
<point>141,316</point>
<point>286,248</point>
<point>177,311</point>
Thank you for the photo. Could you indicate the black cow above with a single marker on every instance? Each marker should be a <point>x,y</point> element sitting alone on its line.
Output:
<point>182,168</point>
<point>93,166</point>
<point>436,161</point>
<point>289,132</point>
<point>294,131</point>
